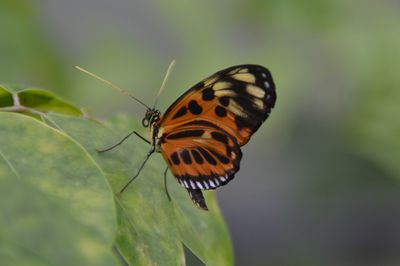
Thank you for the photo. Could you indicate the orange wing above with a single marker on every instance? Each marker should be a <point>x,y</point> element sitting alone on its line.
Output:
<point>201,155</point>
<point>237,99</point>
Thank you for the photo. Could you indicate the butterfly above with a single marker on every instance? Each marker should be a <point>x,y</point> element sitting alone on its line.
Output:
<point>201,134</point>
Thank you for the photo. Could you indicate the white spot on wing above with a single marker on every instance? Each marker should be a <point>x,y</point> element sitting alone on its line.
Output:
<point>206,185</point>
<point>192,184</point>
<point>236,108</point>
<point>211,184</point>
<point>246,77</point>
<point>206,135</point>
<point>233,71</point>
<point>258,103</point>
<point>263,75</point>
<point>210,81</point>
<point>199,185</point>
<point>186,184</point>
<point>255,91</point>
<point>226,92</point>
<point>216,181</point>
<point>266,84</point>
<point>221,85</point>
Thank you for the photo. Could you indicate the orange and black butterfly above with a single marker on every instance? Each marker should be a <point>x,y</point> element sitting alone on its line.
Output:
<point>201,133</point>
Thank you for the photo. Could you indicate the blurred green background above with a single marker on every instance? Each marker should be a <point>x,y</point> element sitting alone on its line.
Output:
<point>319,183</point>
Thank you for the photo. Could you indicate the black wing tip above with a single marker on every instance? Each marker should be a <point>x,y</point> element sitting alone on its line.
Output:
<point>198,199</point>
<point>249,65</point>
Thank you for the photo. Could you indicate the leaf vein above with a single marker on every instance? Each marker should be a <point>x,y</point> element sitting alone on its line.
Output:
<point>9,164</point>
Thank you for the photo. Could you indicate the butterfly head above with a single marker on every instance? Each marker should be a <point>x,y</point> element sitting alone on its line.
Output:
<point>152,116</point>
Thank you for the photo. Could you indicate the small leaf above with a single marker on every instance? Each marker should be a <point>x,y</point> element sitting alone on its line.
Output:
<point>63,172</point>
<point>5,97</point>
<point>33,101</point>
<point>46,101</point>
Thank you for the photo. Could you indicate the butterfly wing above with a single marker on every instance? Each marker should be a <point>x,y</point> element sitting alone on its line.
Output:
<point>237,99</point>
<point>201,133</point>
<point>201,156</point>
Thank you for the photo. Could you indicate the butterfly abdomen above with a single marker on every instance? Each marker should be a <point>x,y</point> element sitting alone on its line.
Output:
<point>197,197</point>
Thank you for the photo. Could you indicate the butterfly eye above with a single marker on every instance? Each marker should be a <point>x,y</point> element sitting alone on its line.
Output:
<point>145,122</point>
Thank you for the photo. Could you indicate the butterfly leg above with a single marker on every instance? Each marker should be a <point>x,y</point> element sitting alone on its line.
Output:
<point>140,169</point>
<point>121,141</point>
<point>165,183</point>
<point>198,198</point>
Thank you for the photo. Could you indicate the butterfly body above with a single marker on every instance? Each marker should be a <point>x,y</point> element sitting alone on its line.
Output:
<point>201,133</point>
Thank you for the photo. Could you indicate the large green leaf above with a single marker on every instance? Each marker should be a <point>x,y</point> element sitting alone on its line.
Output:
<point>63,180</point>
<point>151,228</point>
<point>40,230</point>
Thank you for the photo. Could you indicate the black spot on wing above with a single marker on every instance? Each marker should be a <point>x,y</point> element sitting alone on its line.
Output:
<point>219,136</point>
<point>207,94</point>
<point>220,157</point>
<point>181,112</point>
<point>220,111</point>
<point>224,100</point>
<point>194,107</point>
<point>207,156</point>
<point>197,157</point>
<point>186,134</point>
<point>175,158</point>
<point>204,123</point>
<point>186,157</point>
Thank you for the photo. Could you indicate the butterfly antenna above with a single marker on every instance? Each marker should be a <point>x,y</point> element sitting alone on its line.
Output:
<point>169,70</point>
<point>115,87</point>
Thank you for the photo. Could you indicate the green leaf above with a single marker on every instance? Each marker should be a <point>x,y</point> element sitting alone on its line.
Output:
<point>32,100</point>
<point>5,97</point>
<point>70,196</point>
<point>46,101</point>
<point>151,228</point>
<point>39,230</point>
<point>146,233</point>
<point>204,233</point>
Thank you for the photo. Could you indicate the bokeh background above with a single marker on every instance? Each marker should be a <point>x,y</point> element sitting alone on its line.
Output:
<point>319,183</point>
